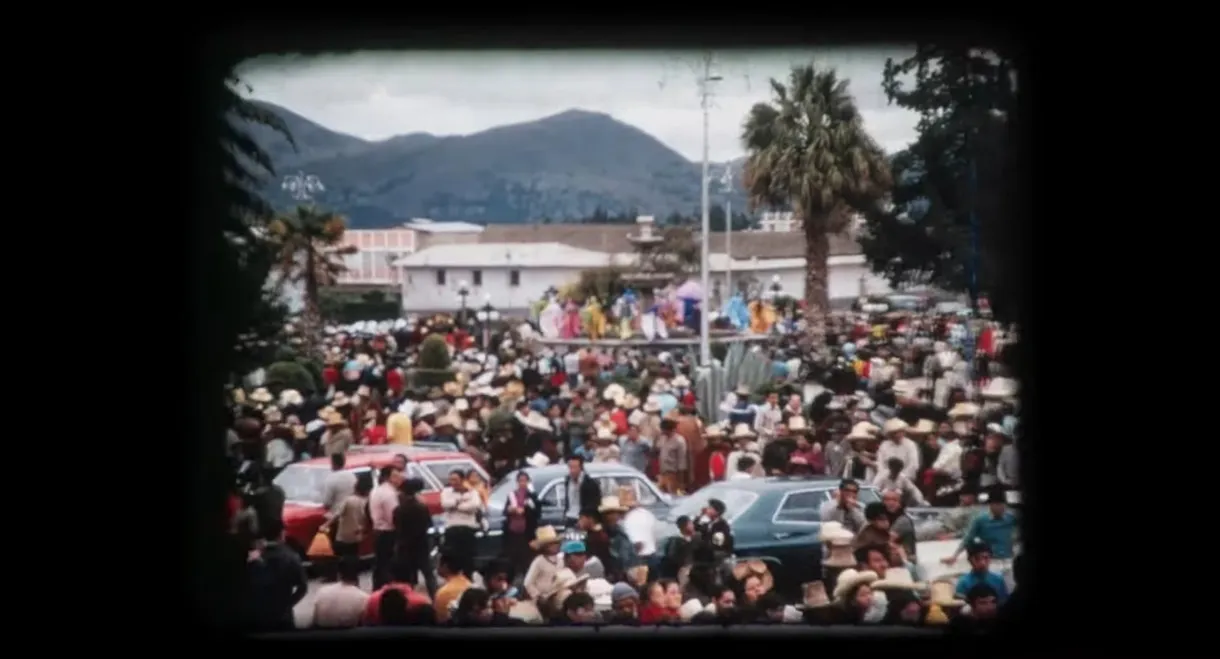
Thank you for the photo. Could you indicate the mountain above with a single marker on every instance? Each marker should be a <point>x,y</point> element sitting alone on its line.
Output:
<point>562,167</point>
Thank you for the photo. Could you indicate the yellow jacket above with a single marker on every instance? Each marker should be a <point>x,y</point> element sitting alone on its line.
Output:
<point>398,429</point>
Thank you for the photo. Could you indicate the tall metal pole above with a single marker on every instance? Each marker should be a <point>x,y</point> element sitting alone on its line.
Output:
<point>728,242</point>
<point>705,347</point>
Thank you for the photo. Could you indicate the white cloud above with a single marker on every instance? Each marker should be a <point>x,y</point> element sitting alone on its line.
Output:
<point>376,96</point>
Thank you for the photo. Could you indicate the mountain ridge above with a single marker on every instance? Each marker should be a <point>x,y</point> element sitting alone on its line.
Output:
<point>561,167</point>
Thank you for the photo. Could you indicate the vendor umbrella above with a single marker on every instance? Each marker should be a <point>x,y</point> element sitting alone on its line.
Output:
<point>691,290</point>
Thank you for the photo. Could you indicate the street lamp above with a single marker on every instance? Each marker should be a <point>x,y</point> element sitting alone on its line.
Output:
<point>775,287</point>
<point>706,81</point>
<point>487,315</point>
<point>463,293</point>
<point>303,186</point>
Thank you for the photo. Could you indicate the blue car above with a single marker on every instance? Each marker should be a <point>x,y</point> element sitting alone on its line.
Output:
<point>547,481</point>
<point>775,519</point>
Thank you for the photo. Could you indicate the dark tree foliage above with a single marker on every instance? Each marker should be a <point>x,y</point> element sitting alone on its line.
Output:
<point>965,98</point>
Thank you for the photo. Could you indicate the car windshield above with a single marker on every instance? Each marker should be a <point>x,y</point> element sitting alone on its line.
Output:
<point>499,495</point>
<point>302,483</point>
<point>735,502</point>
<point>903,302</point>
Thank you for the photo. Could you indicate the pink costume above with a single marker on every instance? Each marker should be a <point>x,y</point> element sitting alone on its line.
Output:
<point>570,327</point>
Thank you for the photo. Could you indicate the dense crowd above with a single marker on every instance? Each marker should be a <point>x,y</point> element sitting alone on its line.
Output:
<point>916,405</point>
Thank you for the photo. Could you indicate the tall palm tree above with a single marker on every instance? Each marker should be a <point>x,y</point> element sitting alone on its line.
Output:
<point>309,248</point>
<point>807,148</point>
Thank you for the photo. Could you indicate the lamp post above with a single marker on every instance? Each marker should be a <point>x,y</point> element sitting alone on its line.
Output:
<point>776,287</point>
<point>302,186</point>
<point>487,315</point>
<point>705,92</point>
<point>463,293</point>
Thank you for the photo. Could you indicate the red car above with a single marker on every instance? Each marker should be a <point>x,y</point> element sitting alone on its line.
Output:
<point>302,484</point>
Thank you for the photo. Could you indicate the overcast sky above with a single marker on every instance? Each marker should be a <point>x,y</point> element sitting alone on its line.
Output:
<point>376,96</point>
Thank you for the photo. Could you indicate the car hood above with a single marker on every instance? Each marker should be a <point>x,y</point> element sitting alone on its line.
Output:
<point>294,511</point>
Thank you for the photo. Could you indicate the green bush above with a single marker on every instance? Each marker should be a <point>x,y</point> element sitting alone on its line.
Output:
<point>290,375</point>
<point>499,420</point>
<point>434,354</point>
<point>430,377</point>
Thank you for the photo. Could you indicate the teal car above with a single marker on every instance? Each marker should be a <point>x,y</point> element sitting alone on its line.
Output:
<point>774,519</point>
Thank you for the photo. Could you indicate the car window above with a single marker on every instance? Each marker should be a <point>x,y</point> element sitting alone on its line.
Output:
<point>550,496</point>
<point>643,493</point>
<point>735,501</point>
<point>302,483</point>
<point>868,495</point>
<point>415,471</point>
<point>441,468</point>
<point>802,507</point>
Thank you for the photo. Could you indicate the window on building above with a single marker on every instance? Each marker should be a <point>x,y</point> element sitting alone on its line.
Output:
<point>476,276</point>
<point>440,277</point>
<point>514,277</point>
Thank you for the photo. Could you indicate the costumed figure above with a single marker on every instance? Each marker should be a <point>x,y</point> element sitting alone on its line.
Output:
<point>550,319</point>
<point>690,297</point>
<point>737,313</point>
<point>570,326</point>
<point>595,319</point>
<point>651,323</point>
<point>758,322</point>
<point>626,311</point>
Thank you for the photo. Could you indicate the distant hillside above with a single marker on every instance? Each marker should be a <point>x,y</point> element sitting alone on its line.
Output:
<point>561,167</point>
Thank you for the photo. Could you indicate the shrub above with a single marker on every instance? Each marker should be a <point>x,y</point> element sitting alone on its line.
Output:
<point>499,420</point>
<point>290,375</point>
<point>427,378</point>
<point>434,354</point>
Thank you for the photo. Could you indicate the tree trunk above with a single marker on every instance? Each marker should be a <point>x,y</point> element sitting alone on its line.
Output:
<point>311,319</point>
<point>817,289</point>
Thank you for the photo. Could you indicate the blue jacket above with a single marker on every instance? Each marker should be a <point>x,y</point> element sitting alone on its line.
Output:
<point>997,533</point>
<point>972,579</point>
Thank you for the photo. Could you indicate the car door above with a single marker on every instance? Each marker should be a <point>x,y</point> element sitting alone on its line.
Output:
<point>551,497</point>
<point>794,534</point>
<point>646,494</point>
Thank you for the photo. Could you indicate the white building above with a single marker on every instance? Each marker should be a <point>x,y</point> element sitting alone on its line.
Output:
<point>512,265</point>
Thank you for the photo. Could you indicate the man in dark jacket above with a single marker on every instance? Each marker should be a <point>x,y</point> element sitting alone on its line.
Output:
<point>715,543</point>
<point>413,545</point>
<point>581,492</point>
<point>277,583</point>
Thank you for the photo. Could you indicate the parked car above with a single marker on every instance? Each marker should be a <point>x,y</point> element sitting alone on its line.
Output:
<point>302,483</point>
<point>775,519</point>
<point>547,481</point>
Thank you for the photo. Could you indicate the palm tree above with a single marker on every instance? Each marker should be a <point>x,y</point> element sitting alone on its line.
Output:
<point>807,148</point>
<point>309,250</point>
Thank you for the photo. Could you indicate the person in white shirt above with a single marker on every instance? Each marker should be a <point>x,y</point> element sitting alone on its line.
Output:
<point>745,467</point>
<point>744,442</point>
<point>339,484</point>
<point>897,445</point>
<point>463,508</point>
<point>767,417</point>
<point>340,605</point>
<point>640,526</point>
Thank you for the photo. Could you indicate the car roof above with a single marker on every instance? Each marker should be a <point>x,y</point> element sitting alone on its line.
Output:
<point>783,483</point>
<point>370,458</point>
<point>551,472</point>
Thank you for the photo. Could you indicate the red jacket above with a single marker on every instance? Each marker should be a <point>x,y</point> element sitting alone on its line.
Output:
<point>651,614</point>
<point>717,464</point>
<point>393,380</point>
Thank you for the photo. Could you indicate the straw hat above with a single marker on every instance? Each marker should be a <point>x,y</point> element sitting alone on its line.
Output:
<point>863,430</point>
<point>815,596</point>
<point>924,427</point>
<point>850,578</point>
<point>535,421</point>
<point>742,390</point>
<point>680,381</point>
<point>627,402</point>
<point>565,579</point>
<point>450,419</point>
<point>472,425</point>
<point>652,406</point>
<point>611,504</point>
<point>894,425</point>
<point>539,459</point>
<point>452,388</point>
<point>262,395</point>
<point>713,431</point>
<point>742,431</point>
<point>340,400</point>
<point>659,386</point>
<point>426,408</point>
<point>614,392</point>
<point>798,424</point>
<point>964,410</point>
<point>840,555</point>
<point>545,535</point>
<point>943,594</point>
<point>905,389</point>
<point>272,415</point>
<point>757,568</point>
<point>898,578</point>
<point>461,405</point>
<point>291,397</point>
<point>514,389</point>
<point>604,434</point>
<point>690,609</point>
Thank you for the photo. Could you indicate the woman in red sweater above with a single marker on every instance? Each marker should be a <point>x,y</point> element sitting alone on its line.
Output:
<point>374,433</point>
<point>664,600</point>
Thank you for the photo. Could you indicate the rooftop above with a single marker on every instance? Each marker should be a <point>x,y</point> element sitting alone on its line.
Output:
<point>424,225</point>
<point>507,254</point>
<point>613,238</point>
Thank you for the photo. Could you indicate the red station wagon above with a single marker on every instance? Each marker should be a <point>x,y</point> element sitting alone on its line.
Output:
<point>302,484</point>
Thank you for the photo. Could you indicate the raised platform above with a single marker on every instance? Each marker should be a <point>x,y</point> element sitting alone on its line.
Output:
<point>659,342</point>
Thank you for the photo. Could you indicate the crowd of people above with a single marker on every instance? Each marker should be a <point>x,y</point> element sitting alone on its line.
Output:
<point>919,406</point>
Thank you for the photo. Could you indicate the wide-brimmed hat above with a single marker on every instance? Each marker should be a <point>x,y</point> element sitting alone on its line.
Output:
<point>712,431</point>
<point>850,579</point>
<point>627,402</point>
<point>340,400</point>
<point>611,504</point>
<point>942,593</point>
<point>690,609</point>
<point>536,421</point>
<point>754,567</point>
<point>894,425</point>
<point>539,459</point>
<point>261,395</point>
<point>461,405</point>
<point>840,555</point>
<point>863,430</point>
<point>652,405</point>
<point>472,425</point>
<point>898,578</point>
<point>614,392</point>
<point>742,390</point>
<point>814,595</point>
<point>291,397</point>
<point>565,579</point>
<point>681,382</point>
<point>963,410</point>
<point>659,386</point>
<point>452,388</point>
<point>604,434</point>
<point>798,424</point>
<point>835,533</point>
<point>272,415</point>
<point>545,535</point>
<point>923,427</point>
<point>743,431</point>
<point>426,408</point>
<point>451,419</point>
